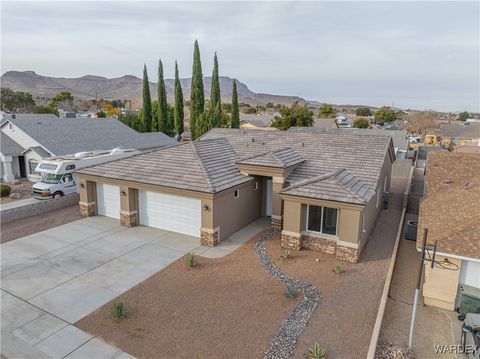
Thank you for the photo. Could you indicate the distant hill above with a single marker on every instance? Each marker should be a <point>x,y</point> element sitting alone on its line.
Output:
<point>127,87</point>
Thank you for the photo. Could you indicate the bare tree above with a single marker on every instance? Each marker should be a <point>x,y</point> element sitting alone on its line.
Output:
<point>421,122</point>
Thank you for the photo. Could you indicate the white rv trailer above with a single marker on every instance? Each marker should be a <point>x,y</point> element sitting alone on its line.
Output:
<point>58,177</point>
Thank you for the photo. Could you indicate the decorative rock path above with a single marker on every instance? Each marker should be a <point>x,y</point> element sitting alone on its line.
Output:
<point>283,343</point>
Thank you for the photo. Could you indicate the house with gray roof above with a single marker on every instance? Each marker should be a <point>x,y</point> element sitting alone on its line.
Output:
<point>26,140</point>
<point>322,189</point>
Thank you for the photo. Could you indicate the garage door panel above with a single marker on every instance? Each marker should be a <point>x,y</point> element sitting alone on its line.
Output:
<point>169,212</point>
<point>108,200</point>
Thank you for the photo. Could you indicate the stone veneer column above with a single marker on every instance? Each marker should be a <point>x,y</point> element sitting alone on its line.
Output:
<point>88,198</point>
<point>209,237</point>
<point>128,206</point>
<point>278,183</point>
<point>291,240</point>
<point>347,254</point>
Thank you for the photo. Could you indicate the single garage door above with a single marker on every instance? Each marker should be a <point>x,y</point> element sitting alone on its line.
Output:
<point>173,213</point>
<point>108,200</point>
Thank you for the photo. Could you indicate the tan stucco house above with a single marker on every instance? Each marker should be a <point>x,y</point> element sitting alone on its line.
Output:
<point>450,210</point>
<point>323,190</point>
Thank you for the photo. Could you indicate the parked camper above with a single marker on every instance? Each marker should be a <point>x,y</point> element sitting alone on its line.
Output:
<point>58,177</point>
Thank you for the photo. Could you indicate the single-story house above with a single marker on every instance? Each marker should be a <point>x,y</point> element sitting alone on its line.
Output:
<point>399,137</point>
<point>323,190</point>
<point>325,123</point>
<point>257,121</point>
<point>25,141</point>
<point>450,210</point>
<point>457,133</point>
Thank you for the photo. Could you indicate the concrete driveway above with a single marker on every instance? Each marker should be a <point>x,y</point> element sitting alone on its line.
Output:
<point>53,278</point>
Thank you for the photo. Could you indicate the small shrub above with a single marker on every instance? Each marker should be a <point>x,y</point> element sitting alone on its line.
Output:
<point>291,292</point>
<point>338,269</point>
<point>118,310</point>
<point>317,351</point>
<point>191,260</point>
<point>4,190</point>
<point>285,254</point>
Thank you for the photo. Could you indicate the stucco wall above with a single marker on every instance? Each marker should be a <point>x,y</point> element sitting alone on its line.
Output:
<point>232,214</point>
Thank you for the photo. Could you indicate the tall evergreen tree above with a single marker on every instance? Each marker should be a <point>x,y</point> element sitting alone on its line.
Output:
<point>215,89</point>
<point>147,103</point>
<point>178,109</point>
<point>162,124</point>
<point>235,122</point>
<point>197,95</point>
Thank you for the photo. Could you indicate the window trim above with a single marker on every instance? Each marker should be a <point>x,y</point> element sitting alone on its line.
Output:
<point>321,222</point>
<point>236,193</point>
<point>378,196</point>
<point>33,172</point>
<point>255,186</point>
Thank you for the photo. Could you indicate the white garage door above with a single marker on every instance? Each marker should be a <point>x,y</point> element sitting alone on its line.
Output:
<point>108,199</point>
<point>173,213</point>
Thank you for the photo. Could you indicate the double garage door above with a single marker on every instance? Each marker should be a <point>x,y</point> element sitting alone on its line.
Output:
<point>159,210</point>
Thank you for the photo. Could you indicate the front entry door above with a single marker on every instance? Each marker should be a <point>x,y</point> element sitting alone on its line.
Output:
<point>268,199</point>
<point>21,165</point>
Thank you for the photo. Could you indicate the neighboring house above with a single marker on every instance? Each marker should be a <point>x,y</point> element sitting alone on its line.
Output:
<point>399,137</point>
<point>26,141</point>
<point>467,149</point>
<point>257,121</point>
<point>325,189</point>
<point>325,123</point>
<point>450,211</point>
<point>27,116</point>
<point>458,134</point>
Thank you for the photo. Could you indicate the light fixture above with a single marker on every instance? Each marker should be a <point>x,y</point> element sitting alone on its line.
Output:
<point>205,207</point>
<point>82,185</point>
<point>122,193</point>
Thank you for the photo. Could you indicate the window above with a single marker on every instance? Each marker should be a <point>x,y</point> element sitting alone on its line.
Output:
<point>32,165</point>
<point>67,177</point>
<point>322,220</point>
<point>255,186</point>
<point>236,194</point>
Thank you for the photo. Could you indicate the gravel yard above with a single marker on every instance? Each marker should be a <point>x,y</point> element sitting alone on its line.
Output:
<point>22,188</point>
<point>231,308</point>
<point>38,223</point>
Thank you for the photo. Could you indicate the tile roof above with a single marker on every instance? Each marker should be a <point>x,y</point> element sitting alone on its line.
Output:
<point>206,166</point>
<point>325,123</point>
<point>340,186</point>
<point>455,130</point>
<point>451,207</point>
<point>282,158</point>
<point>399,137</point>
<point>258,120</point>
<point>209,164</point>
<point>62,136</point>
<point>8,146</point>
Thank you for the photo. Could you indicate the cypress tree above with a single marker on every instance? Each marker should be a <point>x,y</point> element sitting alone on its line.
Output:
<point>162,124</point>
<point>197,95</point>
<point>235,122</point>
<point>178,109</point>
<point>147,103</point>
<point>215,89</point>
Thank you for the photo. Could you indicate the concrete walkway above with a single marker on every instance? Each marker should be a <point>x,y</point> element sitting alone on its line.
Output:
<point>53,278</point>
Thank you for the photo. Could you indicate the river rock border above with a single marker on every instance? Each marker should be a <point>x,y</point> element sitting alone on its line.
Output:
<point>283,343</point>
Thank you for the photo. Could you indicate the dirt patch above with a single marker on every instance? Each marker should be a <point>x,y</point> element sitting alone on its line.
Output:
<point>38,223</point>
<point>223,308</point>
<point>23,188</point>
<point>431,327</point>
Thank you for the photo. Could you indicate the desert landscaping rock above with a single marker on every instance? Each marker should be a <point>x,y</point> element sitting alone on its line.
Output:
<point>283,343</point>
<point>387,350</point>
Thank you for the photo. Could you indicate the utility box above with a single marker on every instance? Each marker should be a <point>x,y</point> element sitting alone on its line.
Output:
<point>469,301</point>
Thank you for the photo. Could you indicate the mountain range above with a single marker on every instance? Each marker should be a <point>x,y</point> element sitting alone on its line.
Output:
<point>128,87</point>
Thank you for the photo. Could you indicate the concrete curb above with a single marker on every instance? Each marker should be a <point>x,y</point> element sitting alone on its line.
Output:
<point>388,280</point>
<point>42,206</point>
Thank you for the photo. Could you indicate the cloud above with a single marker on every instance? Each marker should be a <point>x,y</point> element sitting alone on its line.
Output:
<point>417,54</point>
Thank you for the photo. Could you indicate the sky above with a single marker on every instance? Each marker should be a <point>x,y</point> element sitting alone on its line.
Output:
<point>422,55</point>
